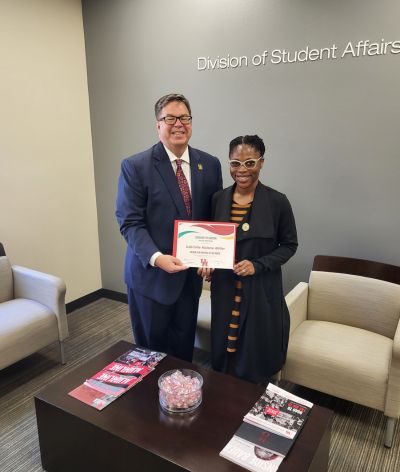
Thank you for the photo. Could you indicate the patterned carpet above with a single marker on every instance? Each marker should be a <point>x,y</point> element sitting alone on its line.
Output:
<point>357,432</point>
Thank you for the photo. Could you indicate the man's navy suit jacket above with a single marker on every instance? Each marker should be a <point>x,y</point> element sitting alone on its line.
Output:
<point>148,202</point>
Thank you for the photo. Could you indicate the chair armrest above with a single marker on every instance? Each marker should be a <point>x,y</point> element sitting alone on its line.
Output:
<point>392,406</point>
<point>46,289</point>
<point>206,285</point>
<point>296,301</point>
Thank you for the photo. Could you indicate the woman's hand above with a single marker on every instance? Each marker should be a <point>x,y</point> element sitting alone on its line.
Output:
<point>244,268</point>
<point>205,272</point>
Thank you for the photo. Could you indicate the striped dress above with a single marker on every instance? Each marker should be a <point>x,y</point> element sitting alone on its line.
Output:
<point>238,213</point>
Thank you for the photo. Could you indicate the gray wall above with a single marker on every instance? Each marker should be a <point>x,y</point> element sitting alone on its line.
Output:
<point>331,126</point>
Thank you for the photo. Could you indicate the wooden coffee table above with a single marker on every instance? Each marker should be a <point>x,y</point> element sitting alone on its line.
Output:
<point>133,433</point>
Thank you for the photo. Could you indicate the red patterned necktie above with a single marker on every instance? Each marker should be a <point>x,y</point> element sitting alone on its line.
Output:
<point>184,187</point>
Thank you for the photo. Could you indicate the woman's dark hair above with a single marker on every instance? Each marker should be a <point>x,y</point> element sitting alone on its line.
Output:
<point>251,140</point>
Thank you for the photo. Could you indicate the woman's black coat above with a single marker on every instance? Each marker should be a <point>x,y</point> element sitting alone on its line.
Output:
<point>269,242</point>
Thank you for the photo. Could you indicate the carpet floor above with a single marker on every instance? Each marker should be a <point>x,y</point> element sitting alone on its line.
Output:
<point>357,432</point>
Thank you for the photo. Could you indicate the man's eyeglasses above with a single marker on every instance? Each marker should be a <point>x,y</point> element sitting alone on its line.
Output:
<point>249,164</point>
<point>171,120</point>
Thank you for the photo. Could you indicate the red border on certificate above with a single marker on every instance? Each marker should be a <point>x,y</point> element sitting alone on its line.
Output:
<point>205,243</point>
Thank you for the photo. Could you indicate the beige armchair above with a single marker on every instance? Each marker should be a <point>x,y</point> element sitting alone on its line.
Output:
<point>203,337</point>
<point>345,334</point>
<point>32,312</point>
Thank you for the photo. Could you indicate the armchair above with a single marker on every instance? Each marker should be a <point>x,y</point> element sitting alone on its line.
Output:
<point>32,311</point>
<point>345,334</point>
<point>203,338</point>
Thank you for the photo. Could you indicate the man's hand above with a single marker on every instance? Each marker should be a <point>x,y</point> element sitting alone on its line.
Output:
<point>169,263</point>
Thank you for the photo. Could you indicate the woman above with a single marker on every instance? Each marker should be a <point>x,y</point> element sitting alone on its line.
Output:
<point>250,320</point>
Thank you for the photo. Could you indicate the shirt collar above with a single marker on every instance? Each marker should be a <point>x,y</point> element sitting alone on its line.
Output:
<point>172,157</point>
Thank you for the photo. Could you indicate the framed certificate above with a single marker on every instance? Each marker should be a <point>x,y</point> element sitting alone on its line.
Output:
<point>205,244</point>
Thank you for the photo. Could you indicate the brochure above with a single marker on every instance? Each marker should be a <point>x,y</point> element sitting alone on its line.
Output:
<point>268,431</point>
<point>251,456</point>
<point>268,440</point>
<point>279,411</point>
<point>117,377</point>
<point>141,356</point>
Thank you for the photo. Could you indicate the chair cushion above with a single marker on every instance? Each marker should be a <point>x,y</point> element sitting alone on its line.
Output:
<point>356,301</point>
<point>6,280</point>
<point>204,313</point>
<point>346,362</point>
<point>25,327</point>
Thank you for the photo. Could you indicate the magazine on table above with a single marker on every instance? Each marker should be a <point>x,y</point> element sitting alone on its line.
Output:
<point>271,442</point>
<point>126,369</point>
<point>268,431</point>
<point>279,411</point>
<point>117,377</point>
<point>141,356</point>
<point>250,456</point>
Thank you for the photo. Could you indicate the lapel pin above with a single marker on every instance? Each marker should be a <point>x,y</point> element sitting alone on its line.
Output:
<point>200,166</point>
<point>245,226</point>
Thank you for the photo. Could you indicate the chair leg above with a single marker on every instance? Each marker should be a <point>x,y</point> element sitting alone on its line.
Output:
<point>62,354</point>
<point>390,422</point>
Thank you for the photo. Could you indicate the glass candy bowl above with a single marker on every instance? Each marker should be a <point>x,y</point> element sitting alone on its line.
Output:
<point>180,390</point>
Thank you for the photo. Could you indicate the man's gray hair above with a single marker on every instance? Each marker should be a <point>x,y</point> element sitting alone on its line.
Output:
<point>171,97</point>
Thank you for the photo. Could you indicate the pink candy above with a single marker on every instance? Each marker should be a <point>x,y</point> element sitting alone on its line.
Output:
<point>179,391</point>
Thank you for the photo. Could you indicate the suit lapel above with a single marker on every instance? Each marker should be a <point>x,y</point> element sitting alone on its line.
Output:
<point>167,174</point>
<point>223,208</point>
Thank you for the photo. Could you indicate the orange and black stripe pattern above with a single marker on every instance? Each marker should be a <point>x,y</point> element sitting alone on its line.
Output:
<point>238,212</point>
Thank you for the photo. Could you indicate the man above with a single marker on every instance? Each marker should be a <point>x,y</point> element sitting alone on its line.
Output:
<point>170,181</point>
